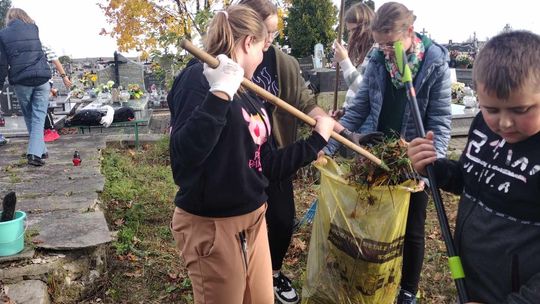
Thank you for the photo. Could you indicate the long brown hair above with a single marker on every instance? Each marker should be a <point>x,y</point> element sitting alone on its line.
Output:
<point>17,13</point>
<point>392,17</point>
<point>361,38</point>
<point>230,26</point>
<point>264,8</point>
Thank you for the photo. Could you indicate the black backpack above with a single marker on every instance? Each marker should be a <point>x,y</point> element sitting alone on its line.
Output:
<point>124,114</point>
<point>85,118</point>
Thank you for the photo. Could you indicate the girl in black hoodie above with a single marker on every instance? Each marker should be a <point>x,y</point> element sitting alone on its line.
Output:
<point>222,158</point>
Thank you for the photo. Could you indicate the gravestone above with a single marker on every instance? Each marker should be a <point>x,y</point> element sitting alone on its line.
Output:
<point>465,76</point>
<point>9,104</point>
<point>306,64</point>
<point>324,80</point>
<point>129,72</point>
<point>58,84</point>
<point>318,55</point>
<point>153,79</point>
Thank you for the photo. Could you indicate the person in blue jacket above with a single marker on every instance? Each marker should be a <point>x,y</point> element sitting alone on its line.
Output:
<point>381,105</point>
<point>22,60</point>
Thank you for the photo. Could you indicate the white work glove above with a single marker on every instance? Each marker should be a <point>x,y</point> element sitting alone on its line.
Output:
<point>108,118</point>
<point>226,78</point>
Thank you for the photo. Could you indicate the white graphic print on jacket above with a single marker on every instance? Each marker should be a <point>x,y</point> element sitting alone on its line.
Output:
<point>503,169</point>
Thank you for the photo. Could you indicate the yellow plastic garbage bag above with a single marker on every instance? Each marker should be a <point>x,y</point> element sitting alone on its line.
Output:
<point>355,252</point>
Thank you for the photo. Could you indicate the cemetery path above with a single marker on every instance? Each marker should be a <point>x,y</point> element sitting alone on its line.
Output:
<point>64,222</point>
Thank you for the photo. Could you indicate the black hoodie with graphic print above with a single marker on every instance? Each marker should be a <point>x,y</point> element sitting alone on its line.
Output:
<point>498,223</point>
<point>221,157</point>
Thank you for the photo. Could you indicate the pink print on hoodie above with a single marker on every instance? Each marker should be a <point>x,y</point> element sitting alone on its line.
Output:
<point>259,128</point>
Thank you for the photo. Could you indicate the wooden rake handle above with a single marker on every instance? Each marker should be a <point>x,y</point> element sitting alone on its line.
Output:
<point>214,62</point>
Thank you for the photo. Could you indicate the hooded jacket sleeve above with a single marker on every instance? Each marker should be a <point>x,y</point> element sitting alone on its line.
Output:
<point>449,175</point>
<point>194,140</point>
<point>351,74</point>
<point>197,118</point>
<point>282,163</point>
<point>438,113</point>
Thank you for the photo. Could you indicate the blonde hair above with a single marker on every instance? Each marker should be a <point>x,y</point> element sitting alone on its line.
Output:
<point>230,27</point>
<point>17,13</point>
<point>392,17</point>
<point>361,38</point>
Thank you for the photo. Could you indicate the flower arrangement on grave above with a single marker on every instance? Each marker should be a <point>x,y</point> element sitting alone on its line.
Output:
<point>463,60</point>
<point>88,80</point>
<point>104,87</point>
<point>77,92</point>
<point>135,91</point>
<point>457,92</point>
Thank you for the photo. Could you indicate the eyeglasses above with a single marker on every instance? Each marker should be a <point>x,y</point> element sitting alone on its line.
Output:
<point>389,46</point>
<point>273,35</point>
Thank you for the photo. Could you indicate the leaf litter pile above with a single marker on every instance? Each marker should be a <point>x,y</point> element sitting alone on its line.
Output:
<point>393,152</point>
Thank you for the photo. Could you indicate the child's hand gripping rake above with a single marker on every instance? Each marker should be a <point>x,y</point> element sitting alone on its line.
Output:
<point>454,261</point>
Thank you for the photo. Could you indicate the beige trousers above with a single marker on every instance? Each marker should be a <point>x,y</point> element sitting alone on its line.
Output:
<point>228,259</point>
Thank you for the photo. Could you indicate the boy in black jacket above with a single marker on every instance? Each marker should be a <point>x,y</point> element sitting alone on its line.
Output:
<point>498,175</point>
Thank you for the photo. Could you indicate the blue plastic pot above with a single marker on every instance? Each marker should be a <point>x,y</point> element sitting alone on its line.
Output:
<point>12,234</point>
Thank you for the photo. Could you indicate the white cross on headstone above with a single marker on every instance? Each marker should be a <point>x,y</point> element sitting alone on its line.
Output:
<point>8,93</point>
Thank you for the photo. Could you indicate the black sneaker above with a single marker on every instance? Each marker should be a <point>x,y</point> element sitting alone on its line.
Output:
<point>405,297</point>
<point>35,160</point>
<point>284,291</point>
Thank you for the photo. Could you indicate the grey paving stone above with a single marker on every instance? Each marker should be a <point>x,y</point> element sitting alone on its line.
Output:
<point>29,292</point>
<point>26,254</point>
<point>65,230</point>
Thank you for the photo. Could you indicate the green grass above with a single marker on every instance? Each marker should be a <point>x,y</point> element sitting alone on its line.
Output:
<point>144,266</point>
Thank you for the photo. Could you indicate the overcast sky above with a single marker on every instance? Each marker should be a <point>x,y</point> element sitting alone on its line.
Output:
<point>72,27</point>
<point>459,19</point>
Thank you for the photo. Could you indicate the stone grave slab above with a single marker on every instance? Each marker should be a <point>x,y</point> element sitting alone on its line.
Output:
<point>30,270</point>
<point>46,180</point>
<point>16,127</point>
<point>324,80</point>
<point>26,254</point>
<point>462,118</point>
<point>67,230</point>
<point>76,201</point>
<point>58,83</point>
